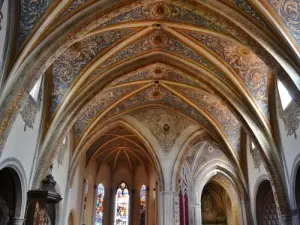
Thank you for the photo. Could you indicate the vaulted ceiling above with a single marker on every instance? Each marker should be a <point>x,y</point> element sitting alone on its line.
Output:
<point>210,64</point>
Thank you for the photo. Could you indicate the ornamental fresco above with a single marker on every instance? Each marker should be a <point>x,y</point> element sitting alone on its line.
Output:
<point>98,104</point>
<point>165,126</point>
<point>158,40</point>
<point>74,5</point>
<point>289,13</point>
<point>31,13</point>
<point>158,71</point>
<point>71,63</point>
<point>253,72</point>
<point>246,7</point>
<point>219,110</point>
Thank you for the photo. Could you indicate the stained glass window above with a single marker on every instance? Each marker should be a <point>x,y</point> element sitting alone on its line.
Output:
<point>143,193</point>
<point>122,205</point>
<point>99,205</point>
<point>86,188</point>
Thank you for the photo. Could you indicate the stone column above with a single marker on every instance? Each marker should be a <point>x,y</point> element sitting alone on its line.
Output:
<point>147,205</point>
<point>285,219</point>
<point>65,216</point>
<point>196,212</point>
<point>18,221</point>
<point>111,206</point>
<point>131,207</point>
<point>246,213</point>
<point>296,216</point>
<point>166,208</point>
<point>95,195</point>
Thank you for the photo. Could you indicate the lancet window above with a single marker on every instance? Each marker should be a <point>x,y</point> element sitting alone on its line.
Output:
<point>122,205</point>
<point>99,205</point>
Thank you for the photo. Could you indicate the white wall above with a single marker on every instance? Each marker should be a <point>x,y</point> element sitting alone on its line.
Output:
<point>254,175</point>
<point>22,145</point>
<point>76,193</point>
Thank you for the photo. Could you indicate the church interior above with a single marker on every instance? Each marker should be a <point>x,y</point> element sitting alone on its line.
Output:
<point>149,112</point>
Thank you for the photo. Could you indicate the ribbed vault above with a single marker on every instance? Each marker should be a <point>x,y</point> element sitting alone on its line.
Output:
<point>212,62</point>
<point>118,148</point>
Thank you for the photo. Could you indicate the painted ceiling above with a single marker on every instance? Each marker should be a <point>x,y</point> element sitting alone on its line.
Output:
<point>212,62</point>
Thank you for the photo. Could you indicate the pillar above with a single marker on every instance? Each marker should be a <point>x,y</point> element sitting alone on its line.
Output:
<point>196,211</point>
<point>285,219</point>
<point>166,208</point>
<point>131,207</point>
<point>66,206</point>
<point>18,221</point>
<point>296,216</point>
<point>246,213</point>
<point>111,207</point>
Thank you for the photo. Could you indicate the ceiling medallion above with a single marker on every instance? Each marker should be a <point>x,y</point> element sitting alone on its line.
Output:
<point>160,11</point>
<point>157,70</point>
<point>158,38</point>
<point>166,127</point>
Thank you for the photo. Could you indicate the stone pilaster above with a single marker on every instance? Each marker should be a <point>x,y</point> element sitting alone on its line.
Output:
<point>166,208</point>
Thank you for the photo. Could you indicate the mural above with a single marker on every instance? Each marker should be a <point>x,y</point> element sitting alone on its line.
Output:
<point>99,205</point>
<point>122,205</point>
